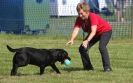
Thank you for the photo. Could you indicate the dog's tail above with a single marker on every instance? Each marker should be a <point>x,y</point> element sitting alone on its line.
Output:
<point>11,49</point>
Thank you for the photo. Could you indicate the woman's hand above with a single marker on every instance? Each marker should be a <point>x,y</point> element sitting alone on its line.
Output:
<point>70,42</point>
<point>85,44</point>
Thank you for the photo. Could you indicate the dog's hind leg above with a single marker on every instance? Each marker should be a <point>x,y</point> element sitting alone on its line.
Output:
<point>14,70</point>
<point>17,62</point>
<point>55,68</point>
<point>42,70</point>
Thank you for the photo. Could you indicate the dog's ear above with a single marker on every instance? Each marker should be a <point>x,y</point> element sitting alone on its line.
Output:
<point>60,54</point>
<point>55,53</point>
<point>64,55</point>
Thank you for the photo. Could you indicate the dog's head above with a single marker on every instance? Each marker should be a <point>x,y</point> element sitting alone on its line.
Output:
<point>60,55</point>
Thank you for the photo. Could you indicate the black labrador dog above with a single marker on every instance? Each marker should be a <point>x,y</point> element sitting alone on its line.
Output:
<point>39,57</point>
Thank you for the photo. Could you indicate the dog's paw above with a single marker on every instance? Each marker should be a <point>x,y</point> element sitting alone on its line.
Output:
<point>58,72</point>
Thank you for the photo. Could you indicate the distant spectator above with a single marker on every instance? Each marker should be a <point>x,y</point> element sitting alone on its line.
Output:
<point>127,3</point>
<point>99,6</point>
<point>102,4</point>
<point>103,8</point>
<point>119,6</point>
<point>94,6</point>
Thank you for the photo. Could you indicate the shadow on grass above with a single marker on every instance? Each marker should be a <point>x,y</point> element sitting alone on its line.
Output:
<point>70,69</point>
<point>24,74</point>
<point>67,69</point>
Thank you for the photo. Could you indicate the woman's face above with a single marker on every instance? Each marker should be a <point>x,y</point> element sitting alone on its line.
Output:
<point>82,14</point>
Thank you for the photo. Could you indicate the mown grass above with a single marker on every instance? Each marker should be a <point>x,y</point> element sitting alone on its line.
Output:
<point>120,53</point>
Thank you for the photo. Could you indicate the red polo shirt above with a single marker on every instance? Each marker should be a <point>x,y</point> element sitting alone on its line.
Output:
<point>93,19</point>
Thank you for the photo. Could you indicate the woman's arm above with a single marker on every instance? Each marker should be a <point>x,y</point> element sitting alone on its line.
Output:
<point>91,35</point>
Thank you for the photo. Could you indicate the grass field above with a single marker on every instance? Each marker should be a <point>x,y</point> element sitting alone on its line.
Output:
<point>120,53</point>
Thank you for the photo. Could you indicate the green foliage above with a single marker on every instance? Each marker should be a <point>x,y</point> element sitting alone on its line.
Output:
<point>120,54</point>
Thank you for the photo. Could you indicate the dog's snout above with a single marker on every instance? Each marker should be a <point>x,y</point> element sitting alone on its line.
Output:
<point>69,58</point>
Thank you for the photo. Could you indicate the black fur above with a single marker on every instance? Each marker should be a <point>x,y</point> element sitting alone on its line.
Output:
<point>39,57</point>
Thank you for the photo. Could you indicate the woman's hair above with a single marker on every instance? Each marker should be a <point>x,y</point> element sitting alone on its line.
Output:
<point>84,6</point>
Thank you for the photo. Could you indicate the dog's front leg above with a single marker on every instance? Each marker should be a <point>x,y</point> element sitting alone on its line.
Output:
<point>55,68</point>
<point>42,70</point>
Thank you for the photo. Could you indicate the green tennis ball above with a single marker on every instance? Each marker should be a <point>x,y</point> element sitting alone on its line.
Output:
<point>67,62</point>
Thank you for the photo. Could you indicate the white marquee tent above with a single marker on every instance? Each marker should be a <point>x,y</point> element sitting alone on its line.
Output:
<point>63,7</point>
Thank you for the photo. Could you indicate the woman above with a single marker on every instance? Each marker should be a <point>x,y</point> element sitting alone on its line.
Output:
<point>97,29</point>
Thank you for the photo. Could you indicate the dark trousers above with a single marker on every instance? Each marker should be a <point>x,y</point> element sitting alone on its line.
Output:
<point>103,41</point>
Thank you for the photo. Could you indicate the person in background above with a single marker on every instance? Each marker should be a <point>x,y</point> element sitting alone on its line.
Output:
<point>127,3</point>
<point>102,4</point>
<point>97,29</point>
<point>99,7</point>
<point>118,8</point>
<point>103,8</point>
